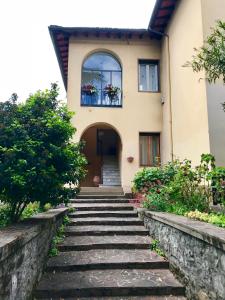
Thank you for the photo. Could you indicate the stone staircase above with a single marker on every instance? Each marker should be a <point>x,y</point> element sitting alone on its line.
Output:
<point>106,255</point>
<point>110,171</point>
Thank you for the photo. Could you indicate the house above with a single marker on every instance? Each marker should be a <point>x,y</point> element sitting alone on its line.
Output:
<point>134,100</point>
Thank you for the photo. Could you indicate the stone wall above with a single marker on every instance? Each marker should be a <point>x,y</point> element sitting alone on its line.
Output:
<point>23,252</point>
<point>195,250</point>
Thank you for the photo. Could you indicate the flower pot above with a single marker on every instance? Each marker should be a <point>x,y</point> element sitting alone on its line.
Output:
<point>130,159</point>
<point>96,180</point>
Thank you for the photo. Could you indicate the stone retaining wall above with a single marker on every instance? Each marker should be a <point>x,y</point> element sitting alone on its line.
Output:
<point>23,252</point>
<point>195,250</point>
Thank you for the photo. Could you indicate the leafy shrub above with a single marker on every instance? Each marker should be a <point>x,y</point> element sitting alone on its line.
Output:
<point>153,178</point>
<point>179,188</point>
<point>38,160</point>
<point>30,210</point>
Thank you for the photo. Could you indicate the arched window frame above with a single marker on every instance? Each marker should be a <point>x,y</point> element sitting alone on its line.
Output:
<point>98,92</point>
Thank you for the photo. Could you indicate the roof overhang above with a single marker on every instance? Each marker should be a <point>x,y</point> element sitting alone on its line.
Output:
<point>60,38</point>
<point>161,15</point>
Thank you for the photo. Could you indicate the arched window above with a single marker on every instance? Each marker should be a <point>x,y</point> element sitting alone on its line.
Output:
<point>101,81</point>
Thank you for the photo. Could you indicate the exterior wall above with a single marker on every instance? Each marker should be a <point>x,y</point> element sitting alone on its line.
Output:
<point>195,251</point>
<point>23,253</point>
<point>141,111</point>
<point>188,93</point>
<point>211,12</point>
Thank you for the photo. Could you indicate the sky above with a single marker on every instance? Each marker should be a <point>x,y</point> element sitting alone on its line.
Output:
<point>27,58</point>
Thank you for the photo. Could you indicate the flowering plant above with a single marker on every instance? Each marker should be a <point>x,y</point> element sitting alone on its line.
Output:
<point>89,89</point>
<point>111,91</point>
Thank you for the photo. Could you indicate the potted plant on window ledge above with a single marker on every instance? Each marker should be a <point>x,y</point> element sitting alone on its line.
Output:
<point>90,92</point>
<point>112,92</point>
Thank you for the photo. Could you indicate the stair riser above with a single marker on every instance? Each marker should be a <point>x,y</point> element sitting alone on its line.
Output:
<point>112,291</point>
<point>86,196</point>
<point>128,208</point>
<point>101,193</point>
<point>121,246</point>
<point>104,215</point>
<point>111,222</point>
<point>111,266</point>
<point>99,201</point>
<point>113,232</point>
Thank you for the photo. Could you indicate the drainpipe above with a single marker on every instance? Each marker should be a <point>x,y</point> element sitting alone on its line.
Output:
<point>169,80</point>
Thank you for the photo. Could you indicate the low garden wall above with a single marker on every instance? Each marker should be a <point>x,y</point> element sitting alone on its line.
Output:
<point>23,252</point>
<point>195,250</point>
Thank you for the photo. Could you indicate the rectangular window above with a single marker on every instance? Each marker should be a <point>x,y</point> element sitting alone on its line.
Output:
<point>149,149</point>
<point>148,76</point>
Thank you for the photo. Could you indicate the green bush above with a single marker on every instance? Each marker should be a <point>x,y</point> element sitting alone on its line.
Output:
<point>178,188</point>
<point>153,178</point>
<point>38,160</point>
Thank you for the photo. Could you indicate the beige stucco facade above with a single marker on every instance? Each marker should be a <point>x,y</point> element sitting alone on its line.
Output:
<point>191,104</point>
<point>186,111</point>
<point>140,112</point>
<point>211,12</point>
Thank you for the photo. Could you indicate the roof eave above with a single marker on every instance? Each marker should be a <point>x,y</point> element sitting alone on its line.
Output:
<point>51,29</point>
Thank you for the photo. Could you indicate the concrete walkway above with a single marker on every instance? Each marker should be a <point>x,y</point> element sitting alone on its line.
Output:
<point>106,255</point>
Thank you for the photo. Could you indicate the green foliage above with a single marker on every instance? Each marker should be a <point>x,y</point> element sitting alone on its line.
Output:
<point>71,209</point>
<point>38,160</point>
<point>184,189</point>
<point>153,178</point>
<point>4,215</point>
<point>155,247</point>
<point>66,220</point>
<point>217,219</point>
<point>30,210</point>
<point>59,237</point>
<point>210,57</point>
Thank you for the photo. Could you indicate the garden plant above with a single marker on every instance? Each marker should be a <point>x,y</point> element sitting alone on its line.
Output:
<point>38,160</point>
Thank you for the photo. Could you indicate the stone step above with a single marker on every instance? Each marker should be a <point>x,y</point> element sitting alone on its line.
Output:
<point>104,190</point>
<point>110,196</point>
<point>111,183</point>
<point>110,172</point>
<point>111,175</point>
<point>90,242</point>
<point>104,214</point>
<point>117,200</point>
<point>102,206</point>
<point>122,298</point>
<point>97,283</point>
<point>106,259</point>
<point>105,221</point>
<point>104,229</point>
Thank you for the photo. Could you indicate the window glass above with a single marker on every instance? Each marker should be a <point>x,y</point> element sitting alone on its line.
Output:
<point>98,72</point>
<point>101,61</point>
<point>148,76</point>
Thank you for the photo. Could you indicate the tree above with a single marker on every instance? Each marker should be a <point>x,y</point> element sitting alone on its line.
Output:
<point>38,160</point>
<point>211,56</point>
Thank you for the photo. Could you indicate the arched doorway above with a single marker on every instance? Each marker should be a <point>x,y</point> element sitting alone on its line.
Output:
<point>103,152</point>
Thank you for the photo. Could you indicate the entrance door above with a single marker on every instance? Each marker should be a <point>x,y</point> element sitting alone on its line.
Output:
<point>107,142</point>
